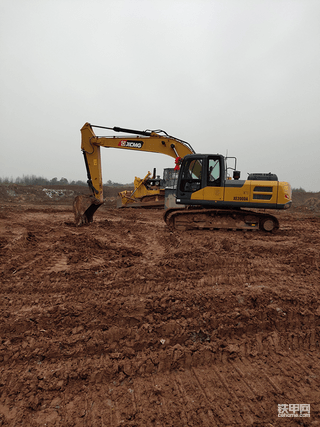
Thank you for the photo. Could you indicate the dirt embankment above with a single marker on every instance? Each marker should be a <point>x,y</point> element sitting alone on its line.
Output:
<point>52,194</point>
<point>126,323</point>
<point>64,195</point>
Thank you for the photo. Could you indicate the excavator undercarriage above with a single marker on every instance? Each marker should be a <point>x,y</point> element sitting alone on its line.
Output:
<point>213,219</point>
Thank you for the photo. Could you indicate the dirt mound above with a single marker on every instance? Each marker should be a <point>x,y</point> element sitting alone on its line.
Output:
<point>312,203</point>
<point>125,323</point>
<point>303,198</point>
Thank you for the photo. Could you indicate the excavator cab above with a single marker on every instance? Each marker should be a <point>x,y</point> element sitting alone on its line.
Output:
<point>197,172</point>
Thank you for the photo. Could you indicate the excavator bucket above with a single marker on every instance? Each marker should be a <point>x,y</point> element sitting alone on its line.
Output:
<point>84,208</point>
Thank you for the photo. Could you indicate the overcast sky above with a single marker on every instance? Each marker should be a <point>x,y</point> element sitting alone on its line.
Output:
<point>229,76</point>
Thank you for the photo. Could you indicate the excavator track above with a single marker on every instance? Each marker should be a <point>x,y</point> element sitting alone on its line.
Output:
<point>215,219</point>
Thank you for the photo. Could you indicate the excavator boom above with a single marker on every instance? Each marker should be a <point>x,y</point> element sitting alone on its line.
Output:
<point>148,141</point>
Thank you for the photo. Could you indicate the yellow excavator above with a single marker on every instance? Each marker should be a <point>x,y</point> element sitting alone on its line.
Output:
<point>208,197</point>
<point>215,200</point>
<point>148,191</point>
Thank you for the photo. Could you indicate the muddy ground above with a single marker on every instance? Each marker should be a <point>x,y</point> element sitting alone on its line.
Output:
<point>126,323</point>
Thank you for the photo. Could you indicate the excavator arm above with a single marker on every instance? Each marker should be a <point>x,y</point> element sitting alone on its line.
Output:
<point>149,141</point>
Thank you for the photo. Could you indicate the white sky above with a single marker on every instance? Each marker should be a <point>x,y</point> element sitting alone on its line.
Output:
<point>236,76</point>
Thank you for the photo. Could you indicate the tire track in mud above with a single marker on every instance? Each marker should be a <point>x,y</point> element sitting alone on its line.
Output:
<point>127,323</point>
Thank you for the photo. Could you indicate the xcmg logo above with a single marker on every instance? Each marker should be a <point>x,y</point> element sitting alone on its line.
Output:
<point>130,144</point>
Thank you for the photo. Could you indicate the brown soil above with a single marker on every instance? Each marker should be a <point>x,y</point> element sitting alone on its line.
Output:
<point>125,323</point>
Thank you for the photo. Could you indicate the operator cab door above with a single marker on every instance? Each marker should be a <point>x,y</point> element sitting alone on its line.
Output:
<point>190,177</point>
<point>214,171</point>
<point>214,189</point>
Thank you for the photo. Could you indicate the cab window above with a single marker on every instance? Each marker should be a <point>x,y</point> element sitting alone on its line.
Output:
<point>191,175</point>
<point>214,172</point>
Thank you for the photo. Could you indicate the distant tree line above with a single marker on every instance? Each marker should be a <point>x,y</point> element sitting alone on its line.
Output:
<point>299,190</point>
<point>39,180</point>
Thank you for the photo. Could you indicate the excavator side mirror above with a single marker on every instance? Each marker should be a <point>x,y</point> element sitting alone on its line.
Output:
<point>236,174</point>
